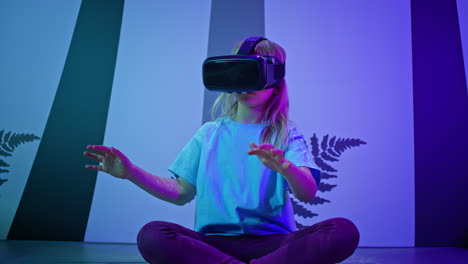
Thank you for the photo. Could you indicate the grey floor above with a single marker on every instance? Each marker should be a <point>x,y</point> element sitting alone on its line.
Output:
<point>78,252</point>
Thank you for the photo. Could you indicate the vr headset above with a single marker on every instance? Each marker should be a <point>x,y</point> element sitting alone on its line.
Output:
<point>243,72</point>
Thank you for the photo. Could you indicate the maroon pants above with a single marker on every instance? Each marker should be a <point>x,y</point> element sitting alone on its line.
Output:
<point>327,242</point>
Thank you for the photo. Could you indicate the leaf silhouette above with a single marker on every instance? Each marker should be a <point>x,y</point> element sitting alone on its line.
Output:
<point>315,147</point>
<point>325,187</point>
<point>343,144</point>
<point>324,166</point>
<point>318,200</point>
<point>4,153</point>
<point>331,151</point>
<point>5,146</point>
<point>7,136</point>
<point>301,210</point>
<point>331,144</point>
<point>327,176</point>
<point>8,143</point>
<point>326,156</point>
<point>300,226</point>
<point>5,140</point>
<point>3,164</point>
<point>325,143</point>
<point>12,141</point>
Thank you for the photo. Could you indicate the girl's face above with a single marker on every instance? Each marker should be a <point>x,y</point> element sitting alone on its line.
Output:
<point>254,99</point>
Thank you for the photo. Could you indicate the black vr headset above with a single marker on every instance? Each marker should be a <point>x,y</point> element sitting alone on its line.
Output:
<point>243,72</point>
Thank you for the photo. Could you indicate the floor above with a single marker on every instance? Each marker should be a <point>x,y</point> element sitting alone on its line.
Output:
<point>31,252</point>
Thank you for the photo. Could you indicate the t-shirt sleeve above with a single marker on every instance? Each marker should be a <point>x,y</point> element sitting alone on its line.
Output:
<point>187,161</point>
<point>298,153</point>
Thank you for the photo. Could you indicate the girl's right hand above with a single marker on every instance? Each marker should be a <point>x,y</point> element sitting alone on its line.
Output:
<point>113,161</point>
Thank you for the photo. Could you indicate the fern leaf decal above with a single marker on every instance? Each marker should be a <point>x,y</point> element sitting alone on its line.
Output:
<point>11,141</point>
<point>327,176</point>
<point>329,150</point>
<point>18,139</point>
<point>301,210</point>
<point>332,152</point>
<point>324,166</point>
<point>325,187</point>
<point>343,144</point>
<point>327,156</point>
<point>314,143</point>
<point>5,140</point>
<point>300,226</point>
<point>2,181</point>
<point>3,164</point>
<point>324,143</point>
<point>331,144</point>
<point>8,143</point>
<point>4,153</point>
<point>318,200</point>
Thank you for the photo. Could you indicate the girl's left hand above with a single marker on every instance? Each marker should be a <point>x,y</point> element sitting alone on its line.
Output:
<point>270,156</point>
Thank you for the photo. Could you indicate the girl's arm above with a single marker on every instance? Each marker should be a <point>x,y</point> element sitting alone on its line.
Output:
<point>301,181</point>
<point>176,191</point>
<point>115,163</point>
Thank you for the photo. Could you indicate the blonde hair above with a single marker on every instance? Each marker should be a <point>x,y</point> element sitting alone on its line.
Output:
<point>276,108</point>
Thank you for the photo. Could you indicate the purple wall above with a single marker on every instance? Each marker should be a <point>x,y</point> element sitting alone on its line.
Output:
<point>440,125</point>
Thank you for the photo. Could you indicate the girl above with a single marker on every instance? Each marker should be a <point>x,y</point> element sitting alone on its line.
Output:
<point>243,209</point>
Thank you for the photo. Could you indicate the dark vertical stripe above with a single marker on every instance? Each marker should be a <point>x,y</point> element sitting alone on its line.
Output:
<point>231,22</point>
<point>440,124</point>
<point>56,201</point>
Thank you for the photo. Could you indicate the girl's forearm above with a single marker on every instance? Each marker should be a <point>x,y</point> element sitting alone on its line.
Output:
<point>301,181</point>
<point>162,188</point>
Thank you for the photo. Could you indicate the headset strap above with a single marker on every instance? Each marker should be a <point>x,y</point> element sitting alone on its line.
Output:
<point>249,45</point>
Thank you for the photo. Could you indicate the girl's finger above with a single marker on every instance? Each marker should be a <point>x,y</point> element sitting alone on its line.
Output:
<point>266,146</point>
<point>252,151</point>
<point>257,152</point>
<point>99,149</point>
<point>93,167</point>
<point>93,156</point>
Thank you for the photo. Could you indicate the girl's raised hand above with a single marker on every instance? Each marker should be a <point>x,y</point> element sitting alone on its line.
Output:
<point>113,161</point>
<point>270,156</point>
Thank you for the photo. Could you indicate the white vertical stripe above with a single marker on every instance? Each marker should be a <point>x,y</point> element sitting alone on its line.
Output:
<point>155,108</point>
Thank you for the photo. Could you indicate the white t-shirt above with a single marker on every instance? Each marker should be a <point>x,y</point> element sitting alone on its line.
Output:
<point>235,193</point>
